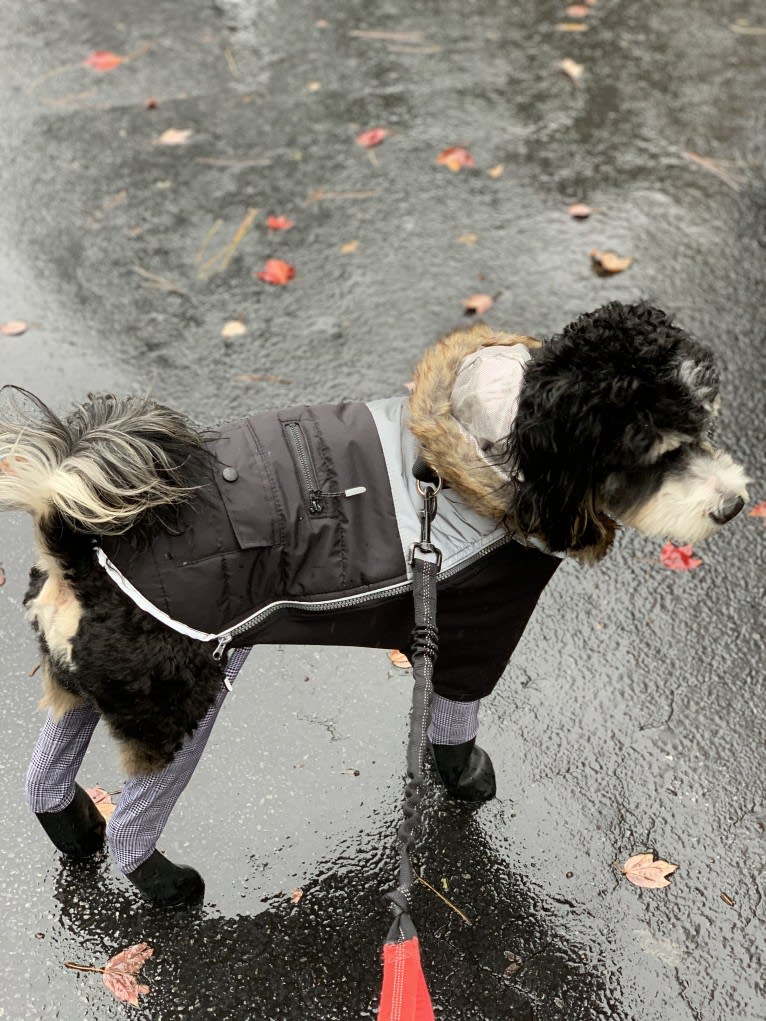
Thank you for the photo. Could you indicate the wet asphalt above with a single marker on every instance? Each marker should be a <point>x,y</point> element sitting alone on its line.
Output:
<point>632,716</point>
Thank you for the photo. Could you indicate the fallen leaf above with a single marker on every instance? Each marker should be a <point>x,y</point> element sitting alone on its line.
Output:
<point>102,60</point>
<point>606,263</point>
<point>759,511</point>
<point>276,272</point>
<point>2,575</point>
<point>349,247</point>
<point>257,377</point>
<point>295,896</point>
<point>579,211</point>
<point>478,304</point>
<point>679,558</point>
<point>151,103</point>
<point>14,328</point>
<point>371,138</point>
<point>497,171</point>
<point>102,800</point>
<point>643,870</point>
<point>314,86</point>
<point>399,660</point>
<point>173,136</point>
<point>578,11</point>
<point>572,26</point>
<point>468,239</point>
<point>131,960</point>
<point>279,223</point>
<point>572,69</point>
<point>120,971</point>
<point>112,201</point>
<point>233,328</point>
<point>516,963</point>
<point>455,158</point>
<point>727,899</point>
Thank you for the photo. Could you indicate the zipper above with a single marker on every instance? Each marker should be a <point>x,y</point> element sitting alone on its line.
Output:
<point>344,602</point>
<point>315,496</point>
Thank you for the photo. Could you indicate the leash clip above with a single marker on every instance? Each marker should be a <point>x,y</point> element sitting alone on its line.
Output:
<point>422,551</point>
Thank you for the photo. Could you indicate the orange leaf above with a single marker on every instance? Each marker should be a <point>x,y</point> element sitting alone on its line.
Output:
<point>496,171</point>
<point>295,896</point>
<point>151,103</point>
<point>578,11</point>
<point>606,263</point>
<point>279,223</point>
<point>373,137</point>
<point>350,247</point>
<point>276,272</point>
<point>679,558</point>
<point>455,158</point>
<point>399,660</point>
<point>643,870</point>
<point>102,60</point>
<point>579,211</point>
<point>571,26</point>
<point>759,511</point>
<point>478,304</point>
<point>14,328</point>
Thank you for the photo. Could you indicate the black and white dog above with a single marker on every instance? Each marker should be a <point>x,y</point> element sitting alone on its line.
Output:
<point>164,552</point>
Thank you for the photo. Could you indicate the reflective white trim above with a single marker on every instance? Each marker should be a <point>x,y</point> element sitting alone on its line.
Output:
<point>143,603</point>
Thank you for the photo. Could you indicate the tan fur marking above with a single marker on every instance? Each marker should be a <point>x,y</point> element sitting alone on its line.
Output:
<point>447,447</point>
<point>55,699</point>
<point>55,610</point>
<point>136,759</point>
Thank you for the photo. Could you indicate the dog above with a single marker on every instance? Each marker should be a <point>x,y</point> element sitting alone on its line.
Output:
<point>165,553</point>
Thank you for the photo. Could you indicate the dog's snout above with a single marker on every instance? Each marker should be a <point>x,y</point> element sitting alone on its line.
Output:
<point>729,509</point>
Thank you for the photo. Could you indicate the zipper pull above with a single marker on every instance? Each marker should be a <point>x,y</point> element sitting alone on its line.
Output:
<point>316,506</point>
<point>223,641</point>
<point>355,491</point>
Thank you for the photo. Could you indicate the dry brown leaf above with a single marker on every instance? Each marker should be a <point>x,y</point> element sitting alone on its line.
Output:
<point>572,69</point>
<point>468,239</point>
<point>642,870</point>
<point>173,136</point>
<point>233,328</point>
<point>399,660</point>
<point>608,262</point>
<point>14,328</point>
<point>496,171</point>
<point>295,896</point>
<point>349,247</point>
<point>572,26</point>
<point>102,800</point>
<point>478,304</point>
<point>314,86</point>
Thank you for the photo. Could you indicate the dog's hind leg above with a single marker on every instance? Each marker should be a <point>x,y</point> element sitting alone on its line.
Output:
<point>65,811</point>
<point>144,807</point>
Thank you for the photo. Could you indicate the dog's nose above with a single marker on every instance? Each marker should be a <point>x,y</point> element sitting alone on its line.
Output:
<point>729,509</point>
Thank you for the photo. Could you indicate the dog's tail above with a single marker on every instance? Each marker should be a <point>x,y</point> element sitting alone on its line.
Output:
<point>111,462</point>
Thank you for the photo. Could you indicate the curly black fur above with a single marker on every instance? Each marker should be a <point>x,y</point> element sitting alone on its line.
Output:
<point>596,398</point>
<point>151,684</point>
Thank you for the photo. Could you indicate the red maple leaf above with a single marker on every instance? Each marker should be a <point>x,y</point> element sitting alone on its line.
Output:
<point>679,558</point>
<point>372,137</point>
<point>103,60</point>
<point>759,511</point>
<point>279,223</point>
<point>277,272</point>
<point>455,158</point>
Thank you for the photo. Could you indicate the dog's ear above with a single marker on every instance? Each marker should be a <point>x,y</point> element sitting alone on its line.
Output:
<point>555,452</point>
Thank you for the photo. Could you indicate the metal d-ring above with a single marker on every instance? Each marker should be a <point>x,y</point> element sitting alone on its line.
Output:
<point>430,490</point>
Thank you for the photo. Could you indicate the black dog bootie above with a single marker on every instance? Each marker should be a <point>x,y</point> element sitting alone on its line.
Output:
<point>465,770</point>
<point>78,830</point>
<point>166,884</point>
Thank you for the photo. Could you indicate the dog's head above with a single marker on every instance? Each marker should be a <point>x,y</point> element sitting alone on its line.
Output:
<point>615,423</point>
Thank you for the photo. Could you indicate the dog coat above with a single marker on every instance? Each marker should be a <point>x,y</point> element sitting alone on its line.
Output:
<point>304,536</point>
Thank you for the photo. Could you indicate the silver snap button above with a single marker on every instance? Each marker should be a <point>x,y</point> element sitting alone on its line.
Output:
<point>230,474</point>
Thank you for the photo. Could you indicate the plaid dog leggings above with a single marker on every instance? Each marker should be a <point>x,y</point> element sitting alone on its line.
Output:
<point>146,801</point>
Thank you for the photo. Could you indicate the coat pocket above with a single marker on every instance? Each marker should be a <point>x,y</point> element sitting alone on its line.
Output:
<point>247,488</point>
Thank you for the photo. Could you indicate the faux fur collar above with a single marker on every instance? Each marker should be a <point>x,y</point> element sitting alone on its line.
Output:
<point>446,443</point>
